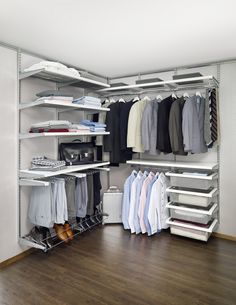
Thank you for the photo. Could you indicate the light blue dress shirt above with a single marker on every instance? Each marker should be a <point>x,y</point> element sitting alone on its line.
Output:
<point>146,209</point>
<point>140,179</point>
<point>126,199</point>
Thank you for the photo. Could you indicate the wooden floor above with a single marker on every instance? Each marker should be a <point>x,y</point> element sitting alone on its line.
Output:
<point>109,266</point>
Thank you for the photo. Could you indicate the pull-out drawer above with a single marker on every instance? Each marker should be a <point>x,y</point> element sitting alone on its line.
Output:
<point>192,180</point>
<point>191,230</point>
<point>196,197</point>
<point>198,215</point>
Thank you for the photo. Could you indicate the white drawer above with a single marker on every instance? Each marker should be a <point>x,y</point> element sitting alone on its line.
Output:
<point>201,198</point>
<point>192,180</point>
<point>198,215</point>
<point>190,230</point>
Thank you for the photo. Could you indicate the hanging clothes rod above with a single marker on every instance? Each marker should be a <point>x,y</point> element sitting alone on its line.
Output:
<point>157,91</point>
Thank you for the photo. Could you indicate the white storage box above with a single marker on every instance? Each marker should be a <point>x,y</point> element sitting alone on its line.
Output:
<point>112,205</point>
<point>192,180</point>
<point>192,231</point>
<point>198,215</point>
<point>192,197</point>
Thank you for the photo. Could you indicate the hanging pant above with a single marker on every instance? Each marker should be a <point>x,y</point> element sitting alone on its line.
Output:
<point>81,197</point>
<point>70,194</point>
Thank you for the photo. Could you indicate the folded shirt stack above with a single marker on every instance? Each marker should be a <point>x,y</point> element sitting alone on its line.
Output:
<point>79,128</point>
<point>51,126</point>
<point>55,95</point>
<point>53,67</point>
<point>43,163</point>
<point>88,101</point>
<point>94,126</point>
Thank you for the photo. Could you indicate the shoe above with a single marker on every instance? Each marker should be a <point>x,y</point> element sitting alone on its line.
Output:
<point>61,233</point>
<point>68,230</point>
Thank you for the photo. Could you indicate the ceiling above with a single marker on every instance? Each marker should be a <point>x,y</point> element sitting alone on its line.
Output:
<point>112,37</point>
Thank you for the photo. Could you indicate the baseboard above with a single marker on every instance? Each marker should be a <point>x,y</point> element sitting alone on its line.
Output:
<point>16,258</point>
<point>224,236</point>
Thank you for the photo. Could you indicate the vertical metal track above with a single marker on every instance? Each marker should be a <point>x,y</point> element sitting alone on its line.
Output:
<point>18,140</point>
<point>218,66</point>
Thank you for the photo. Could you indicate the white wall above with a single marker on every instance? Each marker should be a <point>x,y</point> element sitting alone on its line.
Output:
<point>8,123</point>
<point>8,155</point>
<point>228,149</point>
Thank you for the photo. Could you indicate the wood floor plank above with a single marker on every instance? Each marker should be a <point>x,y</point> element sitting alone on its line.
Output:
<point>108,266</point>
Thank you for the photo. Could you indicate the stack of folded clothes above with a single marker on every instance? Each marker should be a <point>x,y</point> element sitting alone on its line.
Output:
<point>94,126</point>
<point>55,95</point>
<point>51,126</point>
<point>55,67</point>
<point>88,101</point>
<point>78,128</point>
<point>45,164</point>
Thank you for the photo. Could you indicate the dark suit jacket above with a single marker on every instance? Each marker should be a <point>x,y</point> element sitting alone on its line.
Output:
<point>163,137</point>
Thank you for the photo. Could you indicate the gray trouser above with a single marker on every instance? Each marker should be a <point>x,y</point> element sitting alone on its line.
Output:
<point>90,206</point>
<point>70,194</point>
<point>40,210</point>
<point>60,201</point>
<point>81,197</point>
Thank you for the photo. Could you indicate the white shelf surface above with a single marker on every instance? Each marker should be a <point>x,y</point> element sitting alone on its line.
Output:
<point>62,105</point>
<point>176,83</point>
<point>171,205</point>
<point>174,164</point>
<point>211,194</point>
<point>192,176</point>
<point>191,226</point>
<point>63,78</point>
<point>27,173</point>
<point>32,135</point>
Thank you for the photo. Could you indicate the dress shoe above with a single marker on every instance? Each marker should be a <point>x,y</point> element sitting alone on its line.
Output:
<point>68,230</point>
<point>61,233</point>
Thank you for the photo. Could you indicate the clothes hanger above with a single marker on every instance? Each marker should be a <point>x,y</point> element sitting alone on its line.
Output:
<point>185,94</point>
<point>174,95</point>
<point>198,94</point>
<point>121,100</point>
<point>159,97</point>
<point>136,99</point>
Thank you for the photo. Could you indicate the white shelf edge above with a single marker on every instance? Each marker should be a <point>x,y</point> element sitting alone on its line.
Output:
<point>31,73</point>
<point>174,164</point>
<point>168,82</point>
<point>193,227</point>
<point>192,193</point>
<point>32,244</point>
<point>210,177</point>
<point>26,173</point>
<point>32,135</point>
<point>213,209</point>
<point>32,182</point>
<point>60,104</point>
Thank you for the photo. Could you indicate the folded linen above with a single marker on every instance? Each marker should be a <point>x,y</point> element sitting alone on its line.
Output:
<point>93,124</point>
<point>97,129</point>
<point>54,93</point>
<point>88,99</point>
<point>54,123</point>
<point>53,67</point>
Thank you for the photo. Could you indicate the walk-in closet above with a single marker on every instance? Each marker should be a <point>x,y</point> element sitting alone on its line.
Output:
<point>118,145</point>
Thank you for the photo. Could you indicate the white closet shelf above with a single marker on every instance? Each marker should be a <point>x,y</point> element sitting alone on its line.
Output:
<point>62,105</point>
<point>192,176</point>
<point>199,193</point>
<point>174,164</point>
<point>172,205</point>
<point>192,226</point>
<point>32,135</point>
<point>27,173</point>
<point>206,80</point>
<point>63,78</point>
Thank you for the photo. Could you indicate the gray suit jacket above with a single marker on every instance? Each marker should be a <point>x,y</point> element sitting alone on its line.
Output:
<point>149,127</point>
<point>193,125</point>
<point>175,127</point>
